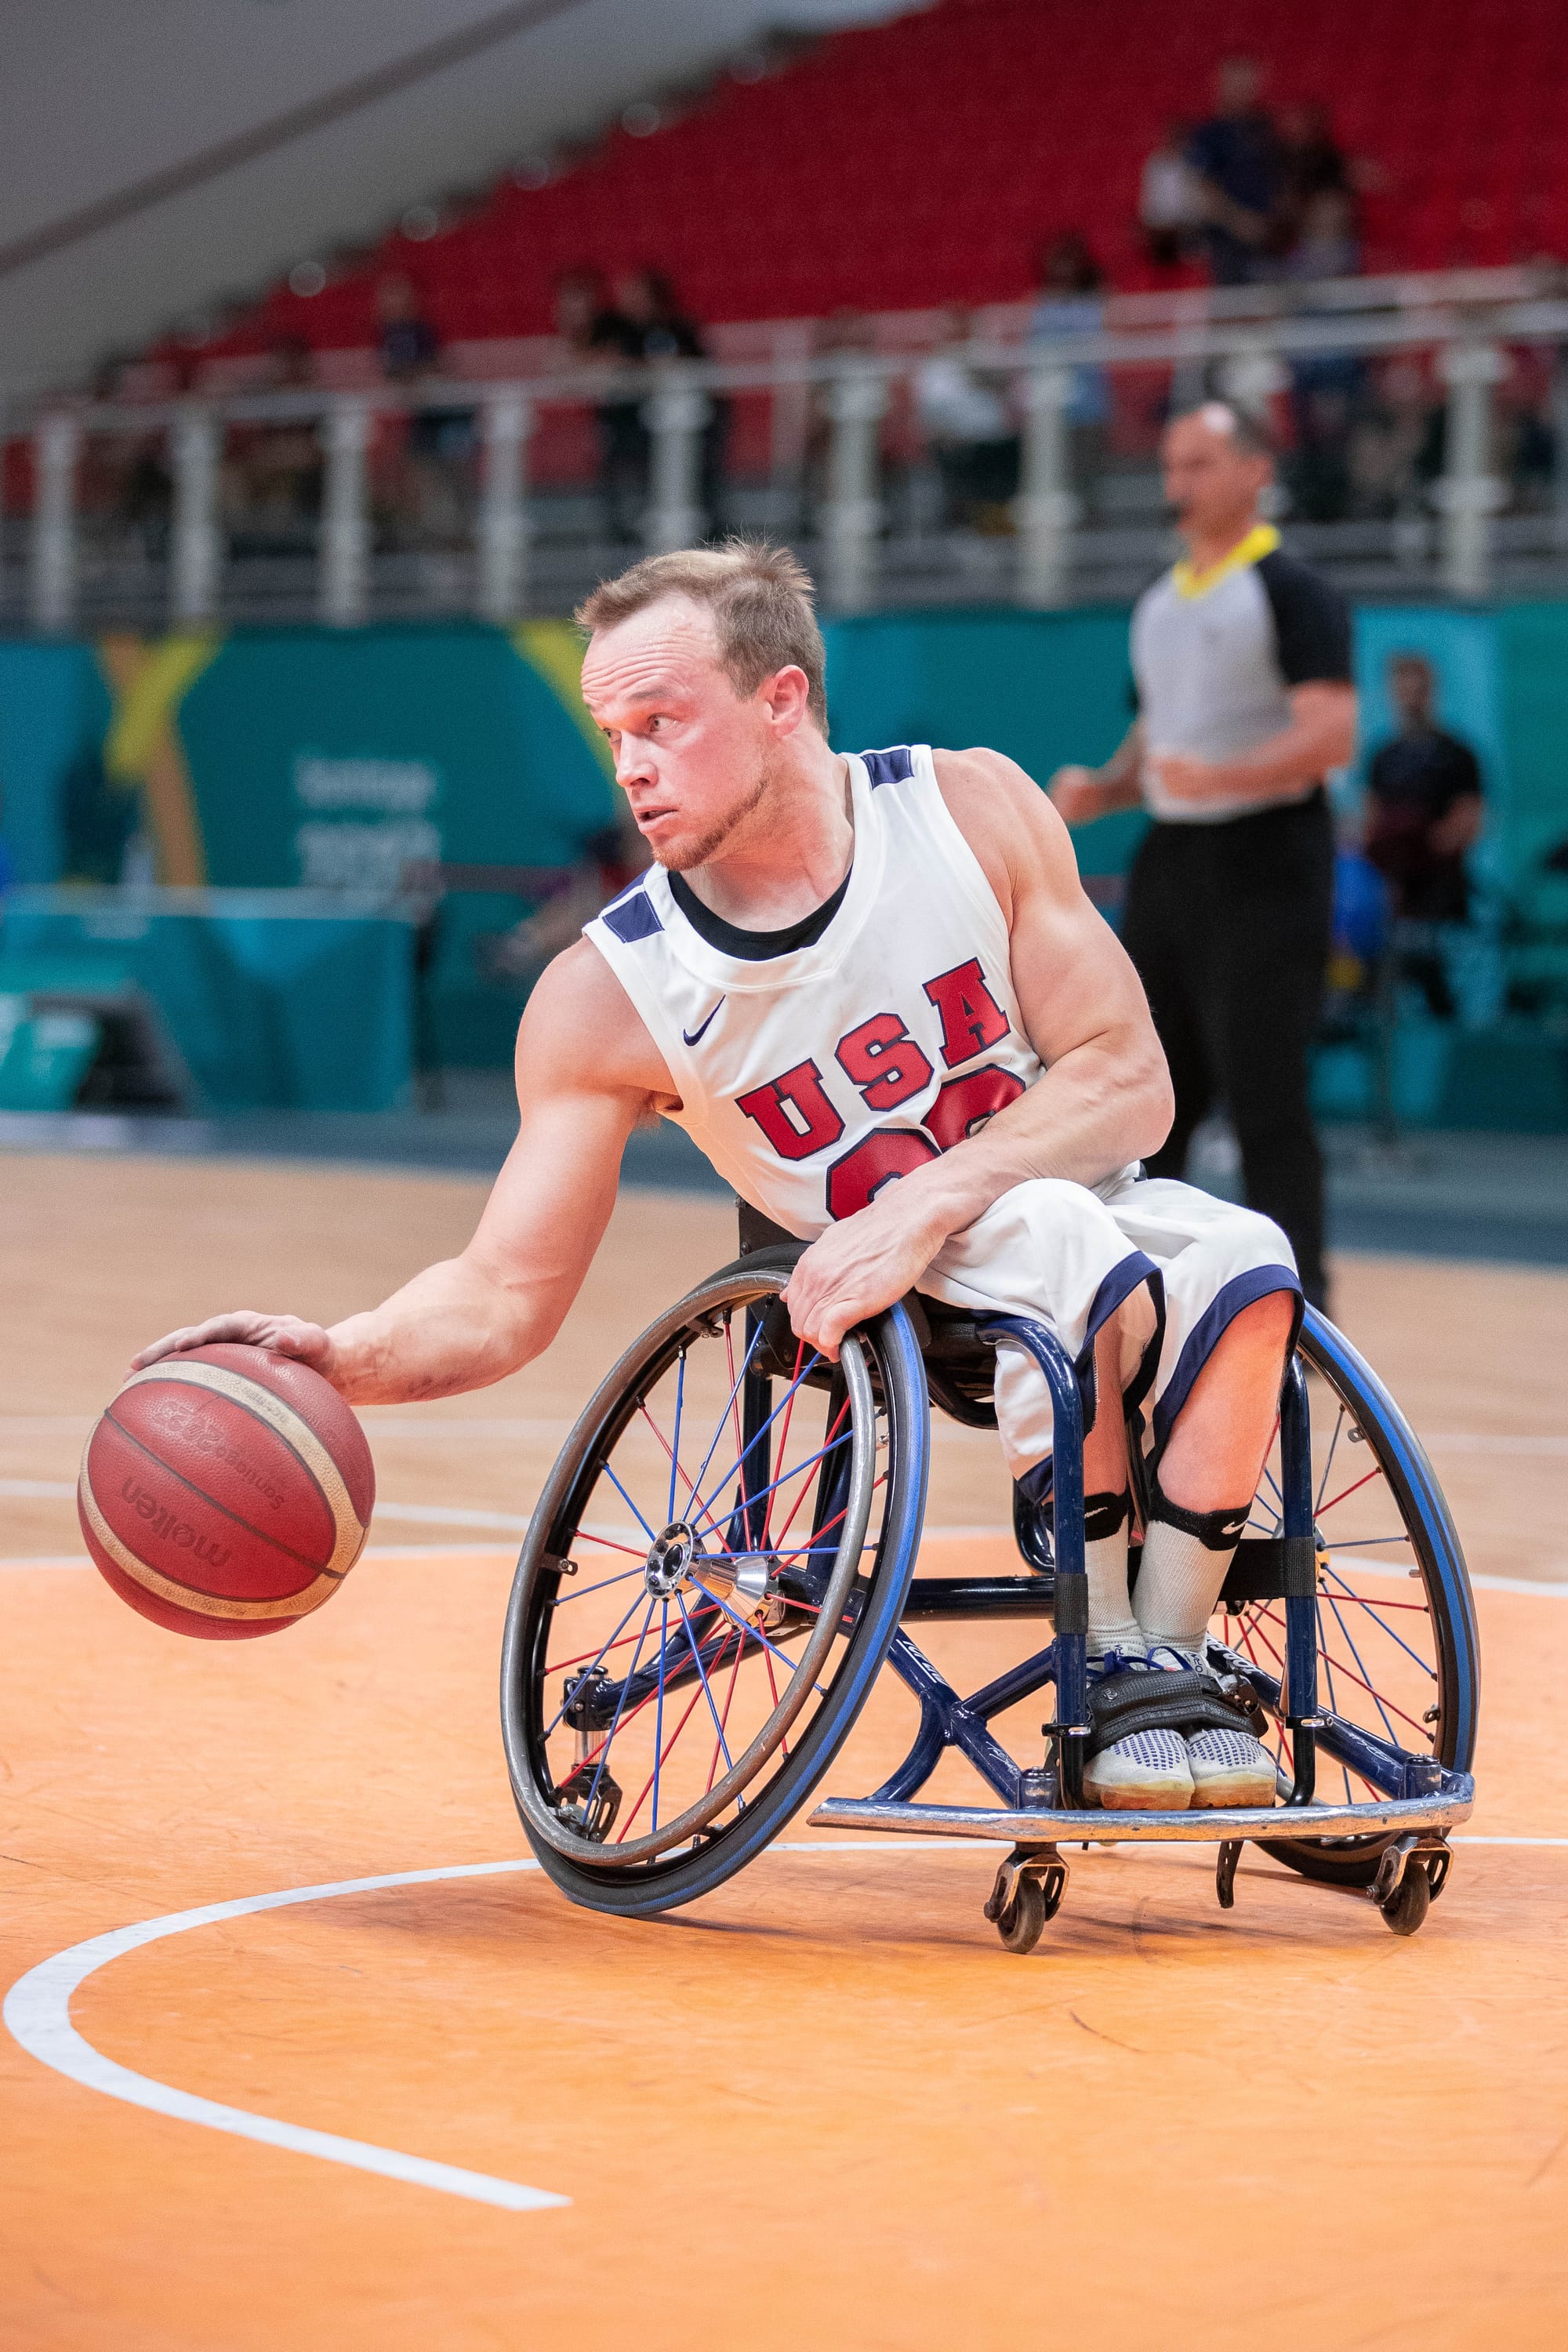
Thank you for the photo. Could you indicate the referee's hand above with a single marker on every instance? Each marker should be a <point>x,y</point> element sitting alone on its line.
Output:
<point>1076,795</point>
<point>1185,778</point>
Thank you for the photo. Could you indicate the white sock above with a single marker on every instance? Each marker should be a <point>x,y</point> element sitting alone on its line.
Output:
<point>1178,1585</point>
<point>1111,1624</point>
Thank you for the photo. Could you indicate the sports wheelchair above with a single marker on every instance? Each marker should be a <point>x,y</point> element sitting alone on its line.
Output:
<point>723,1558</point>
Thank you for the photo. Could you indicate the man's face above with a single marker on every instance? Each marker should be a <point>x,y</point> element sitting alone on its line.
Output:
<point>1212,483</point>
<point>1237,85</point>
<point>693,757</point>
<point>1410,684</point>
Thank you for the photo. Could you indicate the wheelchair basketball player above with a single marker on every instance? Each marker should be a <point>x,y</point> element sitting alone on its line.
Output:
<point>873,991</point>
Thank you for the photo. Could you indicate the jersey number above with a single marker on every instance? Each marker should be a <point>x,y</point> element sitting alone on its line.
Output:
<point>963,1106</point>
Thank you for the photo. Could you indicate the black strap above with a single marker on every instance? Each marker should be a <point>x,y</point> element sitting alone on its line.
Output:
<point>1155,1700</point>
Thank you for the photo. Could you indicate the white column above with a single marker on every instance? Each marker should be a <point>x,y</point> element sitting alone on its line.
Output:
<point>674,415</point>
<point>1469,494</point>
<point>52,583</point>
<point>193,571</point>
<point>1045,508</point>
<point>856,402</point>
<point>345,522</point>
<point>503,517</point>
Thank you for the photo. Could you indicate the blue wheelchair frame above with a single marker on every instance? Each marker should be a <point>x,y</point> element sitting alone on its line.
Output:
<point>1420,1797</point>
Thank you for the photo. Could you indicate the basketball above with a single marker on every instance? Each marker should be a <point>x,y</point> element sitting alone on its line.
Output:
<point>227,1492</point>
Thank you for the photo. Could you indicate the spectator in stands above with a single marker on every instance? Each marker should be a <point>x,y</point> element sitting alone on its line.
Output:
<point>964,416</point>
<point>440,443</point>
<point>1072,302</point>
<point>1423,812</point>
<point>1326,386</point>
<point>1311,164</point>
<point>1236,155</point>
<point>655,327</point>
<point>1170,199</point>
<point>273,472</point>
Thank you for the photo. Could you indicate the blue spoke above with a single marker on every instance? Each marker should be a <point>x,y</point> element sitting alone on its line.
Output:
<point>729,1408</point>
<point>629,1504</point>
<point>675,1442</point>
<point>702,1677</point>
<point>785,1476</point>
<point>562,1598</point>
<point>658,1711</point>
<point>1371,1606</point>
<point>1323,1481</point>
<point>781,1655</point>
<point>615,1719</point>
<point>752,1440</point>
<point>1278,1496</point>
<point>1328,1669</point>
<point>565,1703</point>
<point>1393,1736</point>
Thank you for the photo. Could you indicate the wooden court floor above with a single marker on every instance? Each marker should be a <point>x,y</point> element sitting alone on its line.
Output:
<point>823,2108</point>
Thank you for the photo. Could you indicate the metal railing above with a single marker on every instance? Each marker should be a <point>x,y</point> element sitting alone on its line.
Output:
<point>847,473</point>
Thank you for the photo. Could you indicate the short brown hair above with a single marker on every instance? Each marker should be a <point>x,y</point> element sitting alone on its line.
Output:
<point>762,600</point>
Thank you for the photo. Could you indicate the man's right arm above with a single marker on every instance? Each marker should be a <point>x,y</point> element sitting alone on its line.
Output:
<point>588,1072</point>
<point>1081,794</point>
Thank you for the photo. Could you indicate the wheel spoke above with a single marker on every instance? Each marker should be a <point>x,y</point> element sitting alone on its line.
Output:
<point>702,1678</point>
<point>756,1341</point>
<point>784,1439</point>
<point>720,1483</point>
<point>674,1442</point>
<point>596,1655</point>
<point>1333,1442</point>
<point>1374,1606</point>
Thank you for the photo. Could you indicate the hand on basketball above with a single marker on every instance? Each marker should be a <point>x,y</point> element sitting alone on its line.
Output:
<point>1185,778</point>
<point>855,1269</point>
<point>286,1334</point>
<point>1077,794</point>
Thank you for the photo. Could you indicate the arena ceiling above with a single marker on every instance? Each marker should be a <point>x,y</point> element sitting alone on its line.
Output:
<point>159,158</point>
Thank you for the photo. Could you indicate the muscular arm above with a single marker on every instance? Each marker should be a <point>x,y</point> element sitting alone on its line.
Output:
<point>586,1072</point>
<point>1104,1099</point>
<point>1320,736</point>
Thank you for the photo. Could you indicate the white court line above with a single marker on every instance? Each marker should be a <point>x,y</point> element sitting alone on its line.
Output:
<point>38,2015</point>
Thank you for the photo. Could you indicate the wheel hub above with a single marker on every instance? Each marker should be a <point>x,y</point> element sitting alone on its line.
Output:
<point>669,1556</point>
<point>678,1563</point>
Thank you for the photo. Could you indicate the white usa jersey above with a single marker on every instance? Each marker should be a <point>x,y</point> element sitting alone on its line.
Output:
<point>811,1079</point>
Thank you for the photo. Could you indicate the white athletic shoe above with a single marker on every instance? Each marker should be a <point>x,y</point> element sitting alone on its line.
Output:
<point>1149,1771</point>
<point>1229,1767</point>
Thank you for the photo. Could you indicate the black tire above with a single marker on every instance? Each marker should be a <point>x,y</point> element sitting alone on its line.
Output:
<point>1023,1923</point>
<point>1407,1908</point>
<point>761,1793</point>
<point>1365,1407</point>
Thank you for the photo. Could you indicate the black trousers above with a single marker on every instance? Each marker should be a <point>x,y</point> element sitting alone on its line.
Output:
<point>1229,925</point>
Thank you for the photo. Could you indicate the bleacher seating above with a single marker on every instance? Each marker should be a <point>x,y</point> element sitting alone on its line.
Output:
<point>923,162</point>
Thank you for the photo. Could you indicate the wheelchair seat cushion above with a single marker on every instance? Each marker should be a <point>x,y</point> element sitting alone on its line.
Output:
<point>1145,1698</point>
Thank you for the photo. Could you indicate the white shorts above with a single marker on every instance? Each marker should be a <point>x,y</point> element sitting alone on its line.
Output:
<point>1067,1257</point>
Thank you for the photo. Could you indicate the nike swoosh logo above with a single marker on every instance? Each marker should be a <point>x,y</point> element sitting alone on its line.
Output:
<point>695,1036</point>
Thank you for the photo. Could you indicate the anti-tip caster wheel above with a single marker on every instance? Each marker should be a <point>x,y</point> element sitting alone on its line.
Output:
<point>1023,1923</point>
<point>1406,1908</point>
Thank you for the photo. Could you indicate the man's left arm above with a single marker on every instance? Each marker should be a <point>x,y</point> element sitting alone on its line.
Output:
<point>1312,648</point>
<point>1104,1098</point>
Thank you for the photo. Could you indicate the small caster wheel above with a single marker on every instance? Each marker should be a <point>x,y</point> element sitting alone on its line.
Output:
<point>1407,1906</point>
<point>1023,1923</point>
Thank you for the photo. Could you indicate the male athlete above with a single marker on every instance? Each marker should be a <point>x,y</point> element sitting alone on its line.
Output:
<point>840,971</point>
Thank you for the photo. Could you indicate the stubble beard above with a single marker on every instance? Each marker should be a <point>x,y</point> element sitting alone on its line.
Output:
<point>682,859</point>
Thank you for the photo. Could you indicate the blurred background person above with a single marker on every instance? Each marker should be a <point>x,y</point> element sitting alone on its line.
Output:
<point>1072,302</point>
<point>963,411</point>
<point>1235,154</point>
<point>1242,659</point>
<point>1170,199</point>
<point>432,484</point>
<point>1423,811</point>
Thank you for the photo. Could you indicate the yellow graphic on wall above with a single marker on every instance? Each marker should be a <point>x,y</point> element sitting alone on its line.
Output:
<point>143,748</point>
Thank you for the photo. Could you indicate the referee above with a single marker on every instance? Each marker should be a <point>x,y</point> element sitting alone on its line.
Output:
<point>1242,659</point>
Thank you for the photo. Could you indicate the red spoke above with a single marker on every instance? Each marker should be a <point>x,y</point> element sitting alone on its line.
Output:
<point>662,1761</point>
<point>784,1440</point>
<point>1422,1730</point>
<point>805,1491</point>
<point>1375,1472</point>
<point>729,1702</point>
<point>559,1665</point>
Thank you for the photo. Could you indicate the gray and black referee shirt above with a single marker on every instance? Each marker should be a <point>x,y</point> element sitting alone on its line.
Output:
<point>1215,654</point>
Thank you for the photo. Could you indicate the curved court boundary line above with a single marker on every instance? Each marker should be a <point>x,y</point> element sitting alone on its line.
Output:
<point>37,2014</point>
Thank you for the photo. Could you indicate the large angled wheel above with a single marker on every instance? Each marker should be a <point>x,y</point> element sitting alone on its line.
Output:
<point>1397,1654</point>
<point>710,1581</point>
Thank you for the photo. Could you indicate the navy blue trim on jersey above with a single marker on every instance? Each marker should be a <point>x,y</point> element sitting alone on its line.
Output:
<point>633,916</point>
<point>1242,1290</point>
<point>895,767</point>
